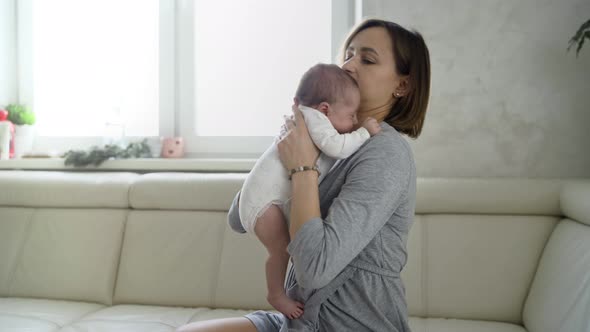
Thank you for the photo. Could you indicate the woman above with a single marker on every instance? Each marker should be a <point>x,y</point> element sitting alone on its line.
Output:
<point>348,238</point>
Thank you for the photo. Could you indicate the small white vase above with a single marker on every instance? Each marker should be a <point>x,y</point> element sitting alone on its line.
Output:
<point>24,136</point>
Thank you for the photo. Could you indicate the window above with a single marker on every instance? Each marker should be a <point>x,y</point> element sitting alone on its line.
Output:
<point>249,59</point>
<point>219,73</point>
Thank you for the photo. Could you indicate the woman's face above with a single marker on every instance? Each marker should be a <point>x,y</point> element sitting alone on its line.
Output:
<point>369,60</point>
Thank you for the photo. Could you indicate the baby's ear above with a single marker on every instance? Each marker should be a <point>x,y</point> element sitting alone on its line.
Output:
<point>324,108</point>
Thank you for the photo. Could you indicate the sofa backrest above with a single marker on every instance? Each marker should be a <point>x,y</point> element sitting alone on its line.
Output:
<point>61,234</point>
<point>162,239</point>
<point>178,249</point>
<point>559,300</point>
<point>475,246</point>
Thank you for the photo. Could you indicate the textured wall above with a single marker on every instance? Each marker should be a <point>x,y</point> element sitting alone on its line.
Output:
<point>507,100</point>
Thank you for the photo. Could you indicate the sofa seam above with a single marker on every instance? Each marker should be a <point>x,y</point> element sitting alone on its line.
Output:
<point>33,317</point>
<point>556,222</point>
<point>424,254</point>
<point>120,256</point>
<point>215,281</point>
<point>194,315</point>
<point>128,210</point>
<point>82,319</point>
<point>20,251</point>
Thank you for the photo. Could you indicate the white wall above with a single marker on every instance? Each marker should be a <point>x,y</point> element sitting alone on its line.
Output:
<point>8,93</point>
<point>507,100</point>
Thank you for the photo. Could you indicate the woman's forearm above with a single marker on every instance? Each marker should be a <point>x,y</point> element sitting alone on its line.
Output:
<point>305,202</point>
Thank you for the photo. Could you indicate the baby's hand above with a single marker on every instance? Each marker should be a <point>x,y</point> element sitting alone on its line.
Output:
<point>372,126</point>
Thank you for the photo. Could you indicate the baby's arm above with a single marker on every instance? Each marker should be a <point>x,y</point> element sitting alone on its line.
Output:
<point>328,139</point>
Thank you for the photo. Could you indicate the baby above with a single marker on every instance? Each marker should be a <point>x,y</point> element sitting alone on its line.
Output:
<point>328,98</point>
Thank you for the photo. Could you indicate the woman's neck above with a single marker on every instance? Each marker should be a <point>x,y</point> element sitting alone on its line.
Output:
<point>379,113</point>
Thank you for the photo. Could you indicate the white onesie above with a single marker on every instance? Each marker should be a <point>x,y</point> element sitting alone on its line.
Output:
<point>268,182</point>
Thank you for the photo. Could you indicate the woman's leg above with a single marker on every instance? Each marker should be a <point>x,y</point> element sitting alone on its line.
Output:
<point>271,230</point>
<point>238,324</point>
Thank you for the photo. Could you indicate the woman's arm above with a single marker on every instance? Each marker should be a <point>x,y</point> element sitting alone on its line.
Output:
<point>305,200</point>
<point>374,188</point>
<point>297,149</point>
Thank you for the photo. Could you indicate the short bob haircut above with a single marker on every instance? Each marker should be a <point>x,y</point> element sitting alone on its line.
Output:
<point>412,59</point>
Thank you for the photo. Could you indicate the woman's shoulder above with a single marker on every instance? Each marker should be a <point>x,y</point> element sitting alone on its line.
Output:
<point>388,144</point>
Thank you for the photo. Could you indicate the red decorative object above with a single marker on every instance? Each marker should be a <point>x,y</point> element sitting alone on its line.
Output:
<point>4,118</point>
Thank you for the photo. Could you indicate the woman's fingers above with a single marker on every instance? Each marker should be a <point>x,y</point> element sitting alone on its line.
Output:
<point>290,124</point>
<point>297,148</point>
<point>285,127</point>
<point>298,115</point>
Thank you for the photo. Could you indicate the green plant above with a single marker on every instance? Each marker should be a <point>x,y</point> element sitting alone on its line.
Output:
<point>97,155</point>
<point>20,114</point>
<point>581,35</point>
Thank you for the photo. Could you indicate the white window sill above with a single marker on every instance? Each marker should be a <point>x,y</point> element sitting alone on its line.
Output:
<point>139,164</point>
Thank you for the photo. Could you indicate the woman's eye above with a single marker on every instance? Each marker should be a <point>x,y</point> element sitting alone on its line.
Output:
<point>348,56</point>
<point>368,61</point>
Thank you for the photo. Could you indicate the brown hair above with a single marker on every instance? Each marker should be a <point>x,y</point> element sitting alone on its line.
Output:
<point>324,83</point>
<point>411,58</point>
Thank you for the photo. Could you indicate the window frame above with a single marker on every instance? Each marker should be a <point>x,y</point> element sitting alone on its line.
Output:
<point>176,85</point>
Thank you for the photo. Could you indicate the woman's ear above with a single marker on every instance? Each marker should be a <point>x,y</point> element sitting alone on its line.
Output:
<point>403,88</point>
<point>324,108</point>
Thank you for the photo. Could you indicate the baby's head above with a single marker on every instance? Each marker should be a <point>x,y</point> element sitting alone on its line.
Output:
<point>330,90</point>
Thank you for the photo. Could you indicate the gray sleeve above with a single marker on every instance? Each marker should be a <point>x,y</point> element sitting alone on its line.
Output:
<point>373,190</point>
<point>233,216</point>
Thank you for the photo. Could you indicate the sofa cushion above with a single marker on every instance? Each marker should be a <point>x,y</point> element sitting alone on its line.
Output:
<point>185,191</point>
<point>18,314</point>
<point>65,189</point>
<point>559,300</point>
<point>473,266</point>
<point>459,325</point>
<point>69,254</point>
<point>170,258</point>
<point>510,196</point>
<point>14,226</point>
<point>575,201</point>
<point>241,271</point>
<point>145,318</point>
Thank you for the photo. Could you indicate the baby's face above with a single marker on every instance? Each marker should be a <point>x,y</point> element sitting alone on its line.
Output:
<point>343,114</point>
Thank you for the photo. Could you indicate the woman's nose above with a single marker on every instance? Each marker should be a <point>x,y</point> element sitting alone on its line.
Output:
<point>349,67</point>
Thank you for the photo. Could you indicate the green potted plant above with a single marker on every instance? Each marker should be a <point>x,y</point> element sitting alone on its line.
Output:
<point>24,132</point>
<point>581,35</point>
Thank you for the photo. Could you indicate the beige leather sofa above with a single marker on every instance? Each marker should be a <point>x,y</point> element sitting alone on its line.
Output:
<point>132,252</point>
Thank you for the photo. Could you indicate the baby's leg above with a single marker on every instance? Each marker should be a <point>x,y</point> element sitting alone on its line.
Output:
<point>271,229</point>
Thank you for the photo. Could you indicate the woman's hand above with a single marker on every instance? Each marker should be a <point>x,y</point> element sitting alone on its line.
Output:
<point>297,148</point>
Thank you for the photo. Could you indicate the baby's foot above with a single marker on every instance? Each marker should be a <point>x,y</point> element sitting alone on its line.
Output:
<point>281,302</point>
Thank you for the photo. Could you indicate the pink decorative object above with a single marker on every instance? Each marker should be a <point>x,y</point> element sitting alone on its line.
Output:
<point>8,136</point>
<point>173,147</point>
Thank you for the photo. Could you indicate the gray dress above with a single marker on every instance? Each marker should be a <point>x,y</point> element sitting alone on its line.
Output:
<point>346,264</point>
